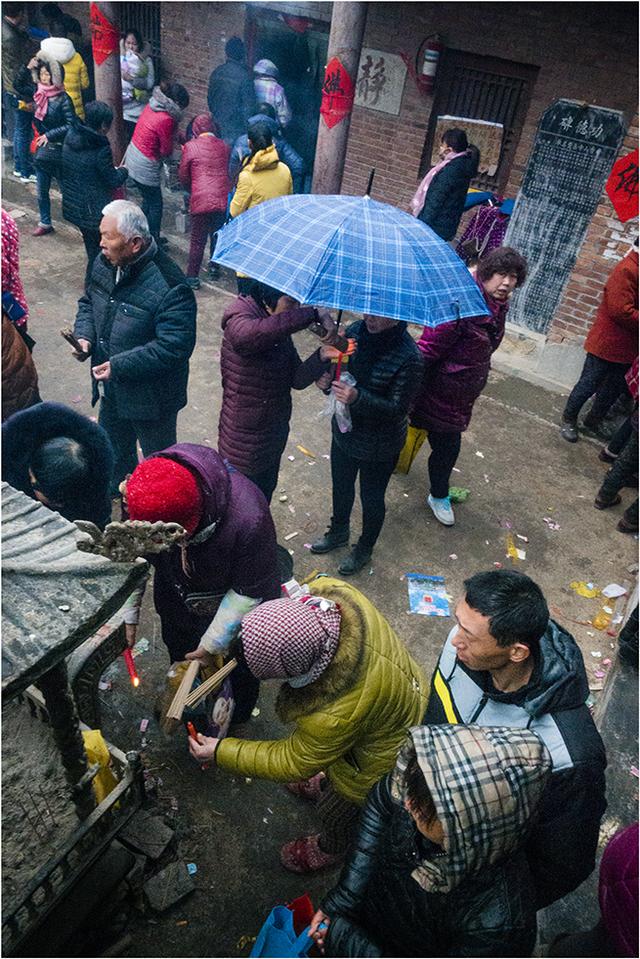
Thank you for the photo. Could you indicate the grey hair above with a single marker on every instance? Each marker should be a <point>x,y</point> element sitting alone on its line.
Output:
<point>130,220</point>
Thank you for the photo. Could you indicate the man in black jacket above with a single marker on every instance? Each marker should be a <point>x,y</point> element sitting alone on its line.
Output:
<point>230,95</point>
<point>506,663</point>
<point>137,321</point>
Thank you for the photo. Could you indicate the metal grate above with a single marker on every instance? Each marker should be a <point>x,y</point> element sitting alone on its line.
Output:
<point>482,88</point>
<point>144,17</point>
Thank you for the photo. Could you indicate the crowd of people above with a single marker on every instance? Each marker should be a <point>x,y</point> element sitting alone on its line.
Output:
<point>458,806</point>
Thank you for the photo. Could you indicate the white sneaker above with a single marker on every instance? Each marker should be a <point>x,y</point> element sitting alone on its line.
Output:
<point>442,510</point>
<point>17,175</point>
<point>32,178</point>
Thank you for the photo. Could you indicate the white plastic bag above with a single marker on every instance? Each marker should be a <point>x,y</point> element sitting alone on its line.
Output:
<point>340,410</point>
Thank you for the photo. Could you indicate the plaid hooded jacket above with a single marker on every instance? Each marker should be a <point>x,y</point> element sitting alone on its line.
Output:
<point>400,894</point>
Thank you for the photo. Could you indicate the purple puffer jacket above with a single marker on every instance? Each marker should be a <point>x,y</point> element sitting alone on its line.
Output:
<point>260,366</point>
<point>618,891</point>
<point>239,554</point>
<point>457,360</point>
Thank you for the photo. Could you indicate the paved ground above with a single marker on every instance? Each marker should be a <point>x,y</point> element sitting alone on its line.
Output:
<point>518,471</point>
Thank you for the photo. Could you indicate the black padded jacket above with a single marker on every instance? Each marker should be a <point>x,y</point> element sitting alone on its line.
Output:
<point>388,369</point>
<point>88,177</point>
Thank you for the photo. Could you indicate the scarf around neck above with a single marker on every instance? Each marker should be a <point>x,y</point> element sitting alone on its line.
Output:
<point>420,195</point>
<point>42,96</point>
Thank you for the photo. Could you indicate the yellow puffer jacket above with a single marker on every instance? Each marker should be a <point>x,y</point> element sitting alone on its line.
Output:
<point>263,178</point>
<point>351,721</point>
<point>76,75</point>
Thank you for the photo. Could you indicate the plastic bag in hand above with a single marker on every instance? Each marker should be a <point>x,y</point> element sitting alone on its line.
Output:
<point>340,410</point>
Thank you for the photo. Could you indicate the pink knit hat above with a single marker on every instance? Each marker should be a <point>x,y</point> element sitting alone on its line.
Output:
<point>291,639</point>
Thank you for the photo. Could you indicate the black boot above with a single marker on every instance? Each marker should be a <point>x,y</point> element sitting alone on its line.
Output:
<point>335,537</point>
<point>569,430</point>
<point>358,558</point>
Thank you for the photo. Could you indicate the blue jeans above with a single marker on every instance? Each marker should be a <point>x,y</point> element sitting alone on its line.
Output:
<point>44,201</point>
<point>22,136</point>
<point>151,206</point>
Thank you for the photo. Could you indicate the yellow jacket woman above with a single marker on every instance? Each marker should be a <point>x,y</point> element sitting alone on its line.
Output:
<point>76,76</point>
<point>352,691</point>
<point>264,176</point>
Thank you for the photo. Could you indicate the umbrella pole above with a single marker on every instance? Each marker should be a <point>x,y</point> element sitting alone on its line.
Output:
<point>370,183</point>
<point>339,363</point>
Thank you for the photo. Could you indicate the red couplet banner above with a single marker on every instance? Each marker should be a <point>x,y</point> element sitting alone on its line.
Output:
<point>338,93</point>
<point>105,38</point>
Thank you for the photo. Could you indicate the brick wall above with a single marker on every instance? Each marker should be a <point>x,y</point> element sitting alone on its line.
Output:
<point>193,40</point>
<point>579,57</point>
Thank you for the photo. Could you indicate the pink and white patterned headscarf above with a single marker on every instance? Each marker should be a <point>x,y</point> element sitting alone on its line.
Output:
<point>292,639</point>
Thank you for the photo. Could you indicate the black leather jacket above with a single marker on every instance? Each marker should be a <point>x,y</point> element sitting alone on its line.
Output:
<point>58,119</point>
<point>387,368</point>
<point>378,909</point>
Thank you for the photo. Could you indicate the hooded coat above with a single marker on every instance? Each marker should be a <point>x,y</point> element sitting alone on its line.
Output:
<point>444,203</point>
<point>562,847</point>
<point>88,177</point>
<point>19,377</point>
<point>61,115</point>
<point>614,335</point>
<point>457,360</point>
<point>76,75</point>
<point>23,433</point>
<point>239,553</point>
<point>153,139</point>
<point>231,98</point>
<point>262,178</point>
<point>352,720</point>
<point>260,366</point>
<point>203,168</point>
<point>399,894</point>
<point>242,150</point>
<point>387,368</point>
<point>143,320</point>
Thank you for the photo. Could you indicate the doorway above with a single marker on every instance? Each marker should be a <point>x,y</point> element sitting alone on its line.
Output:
<point>298,46</point>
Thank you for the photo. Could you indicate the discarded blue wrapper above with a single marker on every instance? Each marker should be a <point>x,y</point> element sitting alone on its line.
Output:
<point>427,595</point>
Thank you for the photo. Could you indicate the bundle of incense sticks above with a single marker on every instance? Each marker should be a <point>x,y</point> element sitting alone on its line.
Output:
<point>210,684</point>
<point>176,708</point>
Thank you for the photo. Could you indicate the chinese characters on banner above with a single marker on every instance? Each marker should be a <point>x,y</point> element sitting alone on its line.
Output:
<point>105,38</point>
<point>337,93</point>
<point>622,186</point>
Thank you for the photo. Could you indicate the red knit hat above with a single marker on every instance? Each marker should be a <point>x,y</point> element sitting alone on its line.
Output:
<point>162,490</point>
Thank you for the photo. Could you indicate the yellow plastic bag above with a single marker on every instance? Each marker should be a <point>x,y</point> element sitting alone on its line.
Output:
<point>98,752</point>
<point>415,439</point>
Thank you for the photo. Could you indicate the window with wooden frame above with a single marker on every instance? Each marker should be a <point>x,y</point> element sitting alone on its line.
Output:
<point>482,88</point>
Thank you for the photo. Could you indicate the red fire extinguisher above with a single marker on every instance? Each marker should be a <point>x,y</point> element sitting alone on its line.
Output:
<point>427,61</point>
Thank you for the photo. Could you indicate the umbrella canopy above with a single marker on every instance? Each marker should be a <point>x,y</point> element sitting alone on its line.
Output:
<point>351,253</point>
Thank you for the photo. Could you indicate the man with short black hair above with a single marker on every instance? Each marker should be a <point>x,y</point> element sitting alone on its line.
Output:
<point>230,94</point>
<point>506,663</point>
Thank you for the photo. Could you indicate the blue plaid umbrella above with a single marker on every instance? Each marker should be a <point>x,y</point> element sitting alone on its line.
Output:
<point>351,253</point>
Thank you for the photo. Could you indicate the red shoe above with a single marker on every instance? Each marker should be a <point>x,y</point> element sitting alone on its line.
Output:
<point>307,788</point>
<point>41,230</point>
<point>305,855</point>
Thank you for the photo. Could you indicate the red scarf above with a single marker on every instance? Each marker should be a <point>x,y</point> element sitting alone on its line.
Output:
<point>42,96</point>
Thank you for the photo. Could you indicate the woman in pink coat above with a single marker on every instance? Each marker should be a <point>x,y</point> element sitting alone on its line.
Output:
<point>203,171</point>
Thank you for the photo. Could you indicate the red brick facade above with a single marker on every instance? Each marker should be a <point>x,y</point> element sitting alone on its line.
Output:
<point>583,51</point>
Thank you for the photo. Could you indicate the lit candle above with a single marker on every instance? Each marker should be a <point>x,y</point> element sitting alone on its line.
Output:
<point>131,668</point>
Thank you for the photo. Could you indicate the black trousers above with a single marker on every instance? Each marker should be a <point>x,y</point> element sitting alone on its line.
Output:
<point>374,479</point>
<point>153,435</point>
<point>620,438</point>
<point>602,378</point>
<point>620,474</point>
<point>445,449</point>
<point>267,480</point>
<point>91,240</point>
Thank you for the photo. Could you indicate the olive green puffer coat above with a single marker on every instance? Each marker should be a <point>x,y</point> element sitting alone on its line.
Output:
<point>351,721</point>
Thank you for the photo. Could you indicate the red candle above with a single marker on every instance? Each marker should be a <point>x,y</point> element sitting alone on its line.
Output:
<point>131,667</point>
<point>339,367</point>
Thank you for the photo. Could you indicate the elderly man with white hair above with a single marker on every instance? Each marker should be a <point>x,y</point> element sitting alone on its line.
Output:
<point>137,322</point>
